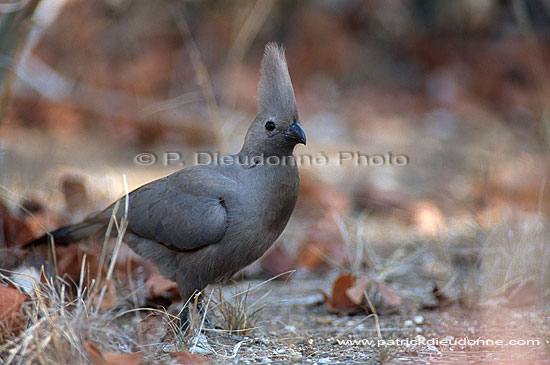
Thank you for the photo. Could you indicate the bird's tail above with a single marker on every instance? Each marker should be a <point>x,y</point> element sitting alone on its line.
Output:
<point>64,236</point>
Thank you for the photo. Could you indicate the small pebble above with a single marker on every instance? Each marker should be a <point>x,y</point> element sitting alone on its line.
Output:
<point>290,329</point>
<point>296,358</point>
<point>408,323</point>
<point>418,319</point>
<point>418,329</point>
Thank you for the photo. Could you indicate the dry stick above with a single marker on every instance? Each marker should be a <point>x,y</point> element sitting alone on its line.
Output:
<point>121,230</point>
<point>375,315</point>
<point>81,279</point>
<point>221,302</point>
<point>53,257</point>
<point>194,312</point>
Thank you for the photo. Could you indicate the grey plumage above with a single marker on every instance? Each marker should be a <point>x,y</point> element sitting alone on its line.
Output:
<point>275,91</point>
<point>202,224</point>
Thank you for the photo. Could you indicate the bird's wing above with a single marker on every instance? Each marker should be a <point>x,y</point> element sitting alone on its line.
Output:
<point>183,211</point>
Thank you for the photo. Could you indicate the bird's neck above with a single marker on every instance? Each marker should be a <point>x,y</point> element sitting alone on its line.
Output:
<point>254,153</point>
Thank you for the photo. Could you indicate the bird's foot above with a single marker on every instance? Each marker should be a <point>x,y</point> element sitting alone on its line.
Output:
<point>200,319</point>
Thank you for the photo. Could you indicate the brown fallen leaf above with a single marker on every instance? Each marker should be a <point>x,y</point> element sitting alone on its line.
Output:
<point>70,259</point>
<point>356,293</point>
<point>339,302</point>
<point>384,299</point>
<point>12,320</point>
<point>161,288</point>
<point>348,295</point>
<point>186,358</point>
<point>98,357</point>
<point>13,231</point>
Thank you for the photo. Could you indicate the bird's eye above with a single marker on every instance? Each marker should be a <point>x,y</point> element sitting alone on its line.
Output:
<point>270,125</point>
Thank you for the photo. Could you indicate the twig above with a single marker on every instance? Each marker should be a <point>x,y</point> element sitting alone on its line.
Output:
<point>375,315</point>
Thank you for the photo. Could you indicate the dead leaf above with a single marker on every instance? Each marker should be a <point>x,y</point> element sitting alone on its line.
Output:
<point>356,293</point>
<point>95,355</point>
<point>98,357</point>
<point>13,231</point>
<point>12,320</point>
<point>339,302</point>
<point>348,295</point>
<point>70,258</point>
<point>160,287</point>
<point>186,358</point>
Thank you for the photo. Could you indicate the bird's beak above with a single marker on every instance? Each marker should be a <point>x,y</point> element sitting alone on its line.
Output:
<point>296,133</point>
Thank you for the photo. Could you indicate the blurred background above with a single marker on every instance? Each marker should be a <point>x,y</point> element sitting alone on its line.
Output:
<point>462,88</point>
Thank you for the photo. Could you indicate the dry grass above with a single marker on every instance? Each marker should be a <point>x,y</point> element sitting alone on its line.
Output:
<point>516,251</point>
<point>481,263</point>
<point>60,320</point>
<point>234,313</point>
<point>58,326</point>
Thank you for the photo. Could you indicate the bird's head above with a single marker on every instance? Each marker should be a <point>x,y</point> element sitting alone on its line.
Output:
<point>276,130</point>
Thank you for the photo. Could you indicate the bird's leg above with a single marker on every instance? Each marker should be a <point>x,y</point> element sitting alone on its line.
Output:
<point>185,321</point>
<point>189,314</point>
<point>202,312</point>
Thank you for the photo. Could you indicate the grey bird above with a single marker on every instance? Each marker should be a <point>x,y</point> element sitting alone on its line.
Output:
<point>202,224</point>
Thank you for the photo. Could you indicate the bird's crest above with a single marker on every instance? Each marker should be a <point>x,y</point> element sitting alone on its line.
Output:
<point>275,91</point>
